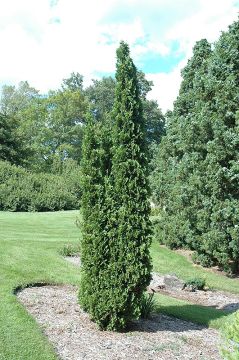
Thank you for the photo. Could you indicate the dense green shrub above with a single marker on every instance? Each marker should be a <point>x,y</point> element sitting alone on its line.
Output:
<point>196,283</point>
<point>203,259</point>
<point>21,190</point>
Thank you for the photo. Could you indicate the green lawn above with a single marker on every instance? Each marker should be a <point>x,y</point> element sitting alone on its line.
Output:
<point>29,253</point>
<point>167,261</point>
<point>29,244</point>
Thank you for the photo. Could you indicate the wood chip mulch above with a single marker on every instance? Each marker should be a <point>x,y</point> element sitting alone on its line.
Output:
<point>75,337</point>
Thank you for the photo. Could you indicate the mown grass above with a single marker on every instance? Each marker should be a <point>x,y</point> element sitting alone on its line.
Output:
<point>29,253</point>
<point>29,244</point>
<point>167,261</point>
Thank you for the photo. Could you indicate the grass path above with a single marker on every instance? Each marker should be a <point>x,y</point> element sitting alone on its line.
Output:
<point>29,245</point>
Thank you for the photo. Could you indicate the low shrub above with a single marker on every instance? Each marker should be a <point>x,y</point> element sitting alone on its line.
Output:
<point>21,190</point>
<point>196,283</point>
<point>155,211</point>
<point>147,305</point>
<point>203,259</point>
<point>70,250</point>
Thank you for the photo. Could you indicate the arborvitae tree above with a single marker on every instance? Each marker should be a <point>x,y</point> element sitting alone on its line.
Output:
<point>94,243</point>
<point>130,241</point>
<point>116,230</point>
<point>101,97</point>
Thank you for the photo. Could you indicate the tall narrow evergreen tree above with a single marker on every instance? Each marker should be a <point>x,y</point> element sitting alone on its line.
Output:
<point>131,235</point>
<point>116,231</point>
<point>94,242</point>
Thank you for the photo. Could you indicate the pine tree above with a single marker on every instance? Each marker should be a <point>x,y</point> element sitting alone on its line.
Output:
<point>220,216</point>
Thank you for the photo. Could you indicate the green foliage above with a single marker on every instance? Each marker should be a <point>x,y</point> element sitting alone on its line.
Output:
<point>15,99</point>
<point>49,126</point>
<point>155,211</point>
<point>37,130</point>
<point>21,190</point>
<point>11,148</point>
<point>203,259</point>
<point>94,244</point>
<point>101,96</point>
<point>196,283</point>
<point>116,228</point>
<point>147,305</point>
<point>74,82</point>
<point>195,180</point>
<point>230,348</point>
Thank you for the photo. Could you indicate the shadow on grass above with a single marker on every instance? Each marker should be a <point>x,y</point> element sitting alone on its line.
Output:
<point>232,307</point>
<point>180,318</point>
<point>201,315</point>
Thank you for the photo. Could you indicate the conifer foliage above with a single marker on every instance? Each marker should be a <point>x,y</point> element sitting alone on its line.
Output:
<point>94,246</point>
<point>196,176</point>
<point>116,238</point>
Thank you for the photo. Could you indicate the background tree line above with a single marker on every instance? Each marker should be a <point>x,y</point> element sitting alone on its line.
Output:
<point>39,132</point>
<point>43,134</point>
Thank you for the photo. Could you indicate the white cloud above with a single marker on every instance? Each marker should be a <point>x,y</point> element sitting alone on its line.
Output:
<point>212,18</point>
<point>166,86</point>
<point>130,31</point>
<point>44,44</point>
<point>48,51</point>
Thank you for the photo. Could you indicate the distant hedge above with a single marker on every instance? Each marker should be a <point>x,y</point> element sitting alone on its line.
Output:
<point>21,190</point>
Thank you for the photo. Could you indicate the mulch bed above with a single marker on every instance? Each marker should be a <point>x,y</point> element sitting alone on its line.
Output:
<point>75,337</point>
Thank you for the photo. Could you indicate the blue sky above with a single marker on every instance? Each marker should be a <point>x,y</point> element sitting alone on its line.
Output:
<point>43,41</point>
